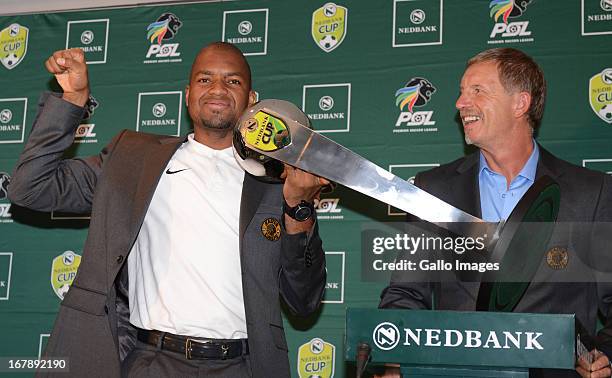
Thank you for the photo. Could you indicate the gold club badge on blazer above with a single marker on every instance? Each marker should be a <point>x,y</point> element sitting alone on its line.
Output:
<point>271,229</point>
<point>557,258</point>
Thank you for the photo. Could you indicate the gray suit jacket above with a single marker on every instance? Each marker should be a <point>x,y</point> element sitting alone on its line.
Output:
<point>586,196</point>
<point>116,186</point>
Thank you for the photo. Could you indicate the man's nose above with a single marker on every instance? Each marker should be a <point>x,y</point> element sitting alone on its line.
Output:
<point>462,102</point>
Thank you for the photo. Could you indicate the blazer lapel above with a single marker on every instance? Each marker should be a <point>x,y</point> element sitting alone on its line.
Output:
<point>155,161</point>
<point>252,191</point>
<point>465,188</point>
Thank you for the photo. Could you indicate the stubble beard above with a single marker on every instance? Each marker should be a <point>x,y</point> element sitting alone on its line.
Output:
<point>217,122</point>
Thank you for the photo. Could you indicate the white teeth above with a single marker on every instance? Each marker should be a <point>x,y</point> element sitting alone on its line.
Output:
<point>470,119</point>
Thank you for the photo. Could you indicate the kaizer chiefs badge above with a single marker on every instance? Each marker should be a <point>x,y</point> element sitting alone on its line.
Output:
<point>557,258</point>
<point>271,229</point>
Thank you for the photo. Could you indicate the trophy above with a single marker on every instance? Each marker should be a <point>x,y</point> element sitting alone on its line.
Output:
<point>273,132</point>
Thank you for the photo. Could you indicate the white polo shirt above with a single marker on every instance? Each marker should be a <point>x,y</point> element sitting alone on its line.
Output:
<point>184,269</point>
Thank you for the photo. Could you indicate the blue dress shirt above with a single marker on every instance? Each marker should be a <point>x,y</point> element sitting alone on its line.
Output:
<point>497,200</point>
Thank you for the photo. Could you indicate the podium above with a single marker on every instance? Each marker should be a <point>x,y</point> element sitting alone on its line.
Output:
<point>462,344</point>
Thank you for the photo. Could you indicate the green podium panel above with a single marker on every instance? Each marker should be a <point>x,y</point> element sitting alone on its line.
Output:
<point>454,343</point>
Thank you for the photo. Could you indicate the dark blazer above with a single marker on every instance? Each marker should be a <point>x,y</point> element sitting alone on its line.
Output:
<point>586,196</point>
<point>116,186</point>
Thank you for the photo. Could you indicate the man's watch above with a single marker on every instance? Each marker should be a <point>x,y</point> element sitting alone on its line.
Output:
<point>302,212</point>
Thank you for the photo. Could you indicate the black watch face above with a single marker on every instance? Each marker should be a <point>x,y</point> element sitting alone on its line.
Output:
<point>302,213</point>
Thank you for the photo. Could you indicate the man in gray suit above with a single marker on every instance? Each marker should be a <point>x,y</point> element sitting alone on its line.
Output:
<point>502,100</point>
<point>187,254</point>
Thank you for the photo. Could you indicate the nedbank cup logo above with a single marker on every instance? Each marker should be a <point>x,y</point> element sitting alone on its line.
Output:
<point>329,26</point>
<point>266,132</point>
<point>600,94</point>
<point>63,271</point>
<point>13,45</point>
<point>316,359</point>
<point>501,11</point>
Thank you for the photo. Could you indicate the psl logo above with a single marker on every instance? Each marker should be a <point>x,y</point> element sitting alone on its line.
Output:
<point>85,131</point>
<point>316,359</point>
<point>5,214</point>
<point>416,93</point>
<point>600,94</point>
<point>160,31</point>
<point>13,45</point>
<point>505,9</point>
<point>63,270</point>
<point>329,26</point>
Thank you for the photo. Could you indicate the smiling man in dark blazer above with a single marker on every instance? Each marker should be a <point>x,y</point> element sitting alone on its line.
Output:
<point>187,254</point>
<point>502,100</point>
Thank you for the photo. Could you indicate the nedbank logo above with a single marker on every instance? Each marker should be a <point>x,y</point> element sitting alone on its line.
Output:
<point>12,119</point>
<point>159,112</point>
<point>329,26</point>
<point>159,34</point>
<point>603,165</point>
<point>334,286</point>
<point>596,17</point>
<point>505,30</point>
<point>417,23</point>
<point>63,270</point>
<point>13,45</point>
<point>387,336</point>
<point>316,358</point>
<point>6,266</point>
<point>416,93</point>
<point>247,29</point>
<point>600,94</point>
<point>91,36</point>
<point>328,106</point>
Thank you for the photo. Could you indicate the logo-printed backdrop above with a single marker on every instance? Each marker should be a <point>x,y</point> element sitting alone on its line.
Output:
<point>378,77</point>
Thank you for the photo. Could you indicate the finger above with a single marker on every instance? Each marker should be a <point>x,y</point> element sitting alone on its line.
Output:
<point>59,57</point>
<point>601,373</point>
<point>77,55</point>
<point>600,362</point>
<point>584,364</point>
<point>53,67</point>
<point>583,373</point>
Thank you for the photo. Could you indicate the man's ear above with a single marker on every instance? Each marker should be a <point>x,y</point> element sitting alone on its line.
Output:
<point>522,104</point>
<point>187,95</point>
<point>252,97</point>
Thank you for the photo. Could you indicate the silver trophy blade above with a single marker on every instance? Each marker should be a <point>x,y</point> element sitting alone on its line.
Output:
<point>312,152</point>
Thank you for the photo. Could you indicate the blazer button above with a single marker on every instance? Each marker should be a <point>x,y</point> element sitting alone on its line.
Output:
<point>119,259</point>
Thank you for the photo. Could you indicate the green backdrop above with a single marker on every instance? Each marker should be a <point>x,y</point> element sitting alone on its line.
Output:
<point>342,63</point>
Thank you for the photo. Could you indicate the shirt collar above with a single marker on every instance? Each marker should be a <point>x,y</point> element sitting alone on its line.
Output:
<point>204,150</point>
<point>529,169</point>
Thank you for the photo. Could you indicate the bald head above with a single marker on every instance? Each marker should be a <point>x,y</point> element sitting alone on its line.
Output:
<point>228,50</point>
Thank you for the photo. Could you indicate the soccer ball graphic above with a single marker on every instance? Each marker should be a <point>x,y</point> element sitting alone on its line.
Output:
<point>328,42</point>
<point>10,60</point>
<point>606,112</point>
<point>63,290</point>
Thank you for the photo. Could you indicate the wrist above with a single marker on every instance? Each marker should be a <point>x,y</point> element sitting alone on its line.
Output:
<point>77,98</point>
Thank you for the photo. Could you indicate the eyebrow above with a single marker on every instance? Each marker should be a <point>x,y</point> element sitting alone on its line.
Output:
<point>225,74</point>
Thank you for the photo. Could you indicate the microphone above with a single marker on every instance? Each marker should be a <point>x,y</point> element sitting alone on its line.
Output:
<point>363,356</point>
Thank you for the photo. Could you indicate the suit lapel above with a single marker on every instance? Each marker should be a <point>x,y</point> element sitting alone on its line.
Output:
<point>155,161</point>
<point>465,188</point>
<point>252,191</point>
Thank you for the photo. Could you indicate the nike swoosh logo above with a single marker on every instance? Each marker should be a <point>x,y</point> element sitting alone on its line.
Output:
<point>168,171</point>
